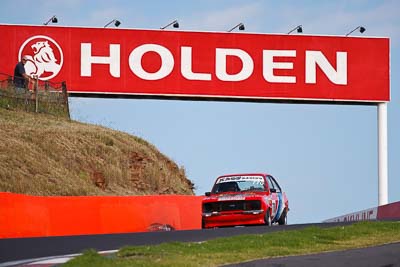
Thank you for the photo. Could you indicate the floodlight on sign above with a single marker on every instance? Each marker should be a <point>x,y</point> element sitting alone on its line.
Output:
<point>299,29</point>
<point>174,24</point>
<point>360,28</point>
<point>240,26</point>
<point>115,21</point>
<point>53,19</point>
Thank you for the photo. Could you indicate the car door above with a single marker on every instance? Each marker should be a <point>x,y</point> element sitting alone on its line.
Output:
<point>279,199</point>
<point>273,196</point>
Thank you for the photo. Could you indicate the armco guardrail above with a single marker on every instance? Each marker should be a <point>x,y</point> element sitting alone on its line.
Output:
<point>386,212</point>
<point>38,216</point>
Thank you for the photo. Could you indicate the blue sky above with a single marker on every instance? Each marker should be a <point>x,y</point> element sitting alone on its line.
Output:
<point>324,156</point>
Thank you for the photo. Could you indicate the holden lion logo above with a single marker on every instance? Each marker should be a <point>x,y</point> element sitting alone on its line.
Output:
<point>45,57</point>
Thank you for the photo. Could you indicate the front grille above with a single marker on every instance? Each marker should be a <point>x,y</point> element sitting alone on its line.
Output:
<point>232,205</point>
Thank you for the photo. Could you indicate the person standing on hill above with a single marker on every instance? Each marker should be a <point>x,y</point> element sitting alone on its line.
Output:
<point>21,79</point>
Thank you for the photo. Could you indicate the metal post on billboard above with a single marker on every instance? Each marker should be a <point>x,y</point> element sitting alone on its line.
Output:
<point>382,154</point>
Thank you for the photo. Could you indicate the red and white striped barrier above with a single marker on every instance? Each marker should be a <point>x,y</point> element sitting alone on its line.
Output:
<point>386,212</point>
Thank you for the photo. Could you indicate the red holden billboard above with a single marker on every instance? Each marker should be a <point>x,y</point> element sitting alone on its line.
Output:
<point>161,63</point>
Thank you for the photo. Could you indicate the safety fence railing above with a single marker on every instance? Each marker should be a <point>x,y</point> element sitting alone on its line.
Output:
<point>37,96</point>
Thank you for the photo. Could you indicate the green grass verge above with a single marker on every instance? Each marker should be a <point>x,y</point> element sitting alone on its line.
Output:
<point>248,247</point>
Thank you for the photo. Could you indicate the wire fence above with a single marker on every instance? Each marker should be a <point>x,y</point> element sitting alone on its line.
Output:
<point>38,96</point>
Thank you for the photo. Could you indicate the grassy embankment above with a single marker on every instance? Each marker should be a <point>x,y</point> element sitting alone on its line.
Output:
<point>248,247</point>
<point>48,155</point>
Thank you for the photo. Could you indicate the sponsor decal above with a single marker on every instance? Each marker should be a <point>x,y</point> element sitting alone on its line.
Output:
<point>255,179</point>
<point>313,60</point>
<point>45,57</point>
<point>228,198</point>
<point>364,215</point>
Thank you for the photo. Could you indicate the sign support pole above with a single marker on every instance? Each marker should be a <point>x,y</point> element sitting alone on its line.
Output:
<point>382,154</point>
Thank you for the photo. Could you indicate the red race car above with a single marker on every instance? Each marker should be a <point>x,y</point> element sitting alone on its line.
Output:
<point>244,199</point>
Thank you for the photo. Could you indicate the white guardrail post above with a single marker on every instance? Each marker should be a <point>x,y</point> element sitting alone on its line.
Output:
<point>382,154</point>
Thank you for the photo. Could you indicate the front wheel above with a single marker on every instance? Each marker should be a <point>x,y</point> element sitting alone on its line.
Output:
<point>267,219</point>
<point>283,218</point>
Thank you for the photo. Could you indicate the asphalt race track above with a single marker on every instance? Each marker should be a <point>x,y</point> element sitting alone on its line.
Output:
<point>382,256</point>
<point>18,249</point>
<point>14,249</point>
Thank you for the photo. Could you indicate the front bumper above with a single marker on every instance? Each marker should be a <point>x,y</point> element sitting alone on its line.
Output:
<point>233,218</point>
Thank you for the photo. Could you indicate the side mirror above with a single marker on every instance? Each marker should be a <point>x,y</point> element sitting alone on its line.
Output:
<point>273,190</point>
<point>208,194</point>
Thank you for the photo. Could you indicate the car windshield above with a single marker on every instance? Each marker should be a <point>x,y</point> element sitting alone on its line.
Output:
<point>238,186</point>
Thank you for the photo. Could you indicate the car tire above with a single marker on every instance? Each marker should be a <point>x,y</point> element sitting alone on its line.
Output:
<point>283,219</point>
<point>267,219</point>
<point>203,224</point>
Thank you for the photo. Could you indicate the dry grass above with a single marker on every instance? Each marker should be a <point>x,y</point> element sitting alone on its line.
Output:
<point>242,248</point>
<point>48,155</point>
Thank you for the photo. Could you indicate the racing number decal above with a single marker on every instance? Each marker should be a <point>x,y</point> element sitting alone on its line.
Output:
<point>273,207</point>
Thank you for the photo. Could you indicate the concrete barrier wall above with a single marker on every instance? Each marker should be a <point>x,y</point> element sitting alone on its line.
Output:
<point>35,216</point>
<point>386,212</point>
